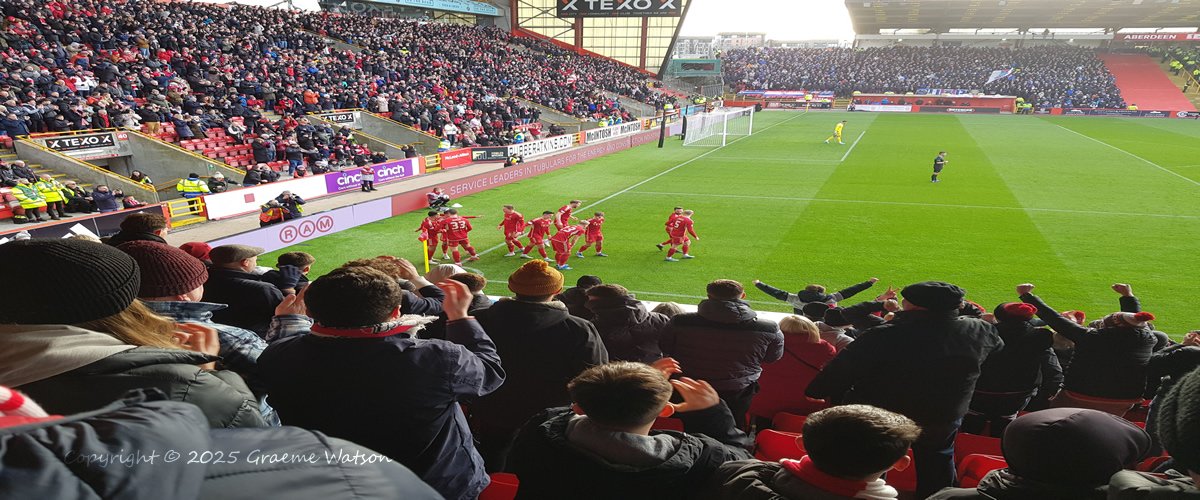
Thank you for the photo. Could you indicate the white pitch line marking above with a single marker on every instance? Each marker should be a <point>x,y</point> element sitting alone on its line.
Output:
<point>1160,167</point>
<point>916,204</point>
<point>847,155</point>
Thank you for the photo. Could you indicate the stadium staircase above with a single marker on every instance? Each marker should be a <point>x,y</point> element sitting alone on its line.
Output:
<point>9,155</point>
<point>1183,80</point>
<point>1143,82</point>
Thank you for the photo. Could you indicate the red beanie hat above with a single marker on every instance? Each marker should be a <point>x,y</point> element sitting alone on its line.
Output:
<point>197,249</point>
<point>166,271</point>
<point>1014,311</point>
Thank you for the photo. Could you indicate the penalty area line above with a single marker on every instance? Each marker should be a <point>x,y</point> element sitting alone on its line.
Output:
<point>848,151</point>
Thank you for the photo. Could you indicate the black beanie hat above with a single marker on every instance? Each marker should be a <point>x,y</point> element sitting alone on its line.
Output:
<point>87,280</point>
<point>935,295</point>
<point>834,317</point>
<point>1072,447</point>
<point>1177,421</point>
<point>814,310</point>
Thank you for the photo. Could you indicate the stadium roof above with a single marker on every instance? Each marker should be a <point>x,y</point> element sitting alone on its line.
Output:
<point>870,16</point>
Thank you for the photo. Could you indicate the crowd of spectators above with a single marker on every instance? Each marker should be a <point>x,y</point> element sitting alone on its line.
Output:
<point>1046,76</point>
<point>568,389</point>
<point>142,64</point>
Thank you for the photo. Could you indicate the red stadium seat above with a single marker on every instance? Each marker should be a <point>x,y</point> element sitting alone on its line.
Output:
<point>788,422</point>
<point>972,468</point>
<point>668,424</point>
<point>771,445</point>
<point>971,444</point>
<point>504,487</point>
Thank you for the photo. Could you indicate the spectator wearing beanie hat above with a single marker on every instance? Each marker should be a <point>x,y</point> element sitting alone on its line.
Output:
<point>1177,422</point>
<point>833,327</point>
<point>376,383</point>
<point>231,281</point>
<point>922,364</point>
<point>1061,453</point>
<point>81,357</point>
<point>724,343</point>
<point>1012,375</point>
<point>172,285</point>
<point>543,347</point>
<point>1108,368</point>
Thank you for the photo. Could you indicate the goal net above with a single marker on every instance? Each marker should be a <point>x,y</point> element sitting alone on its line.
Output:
<point>718,127</point>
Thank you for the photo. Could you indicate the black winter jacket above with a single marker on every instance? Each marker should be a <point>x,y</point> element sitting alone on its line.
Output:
<point>543,348</point>
<point>221,395</point>
<point>923,364</point>
<point>251,301</point>
<point>723,343</point>
<point>1018,366</point>
<point>169,452</point>
<point>551,467</point>
<point>1108,362</point>
<point>798,299</point>
<point>575,299</point>
<point>629,331</point>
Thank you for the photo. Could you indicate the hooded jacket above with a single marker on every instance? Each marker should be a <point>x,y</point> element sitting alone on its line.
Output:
<point>575,299</point>
<point>723,343</point>
<point>1107,362</point>
<point>137,435</point>
<point>559,454</point>
<point>629,331</point>
<point>391,391</point>
<point>543,347</point>
<point>923,364</point>
<point>71,370</point>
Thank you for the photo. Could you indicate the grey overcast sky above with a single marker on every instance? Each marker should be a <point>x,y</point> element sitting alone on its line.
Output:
<point>780,19</point>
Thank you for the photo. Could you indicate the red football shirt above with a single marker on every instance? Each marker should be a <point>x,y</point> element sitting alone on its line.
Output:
<point>682,226</point>
<point>566,233</point>
<point>456,228</point>
<point>541,227</point>
<point>593,228</point>
<point>513,223</point>
<point>564,216</point>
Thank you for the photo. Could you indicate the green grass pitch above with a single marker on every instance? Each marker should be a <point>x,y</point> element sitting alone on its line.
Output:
<point>1070,204</point>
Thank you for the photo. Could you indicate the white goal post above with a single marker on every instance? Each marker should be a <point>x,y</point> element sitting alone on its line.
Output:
<point>714,128</point>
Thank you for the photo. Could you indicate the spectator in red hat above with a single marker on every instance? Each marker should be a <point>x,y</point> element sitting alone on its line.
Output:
<point>1012,375</point>
<point>198,249</point>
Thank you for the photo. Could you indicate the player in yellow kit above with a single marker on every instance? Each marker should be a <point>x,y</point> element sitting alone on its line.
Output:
<point>837,132</point>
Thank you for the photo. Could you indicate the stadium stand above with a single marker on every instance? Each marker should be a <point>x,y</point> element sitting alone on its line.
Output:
<point>1052,76</point>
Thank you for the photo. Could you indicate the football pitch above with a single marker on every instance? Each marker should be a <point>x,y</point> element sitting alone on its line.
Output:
<point>1070,204</point>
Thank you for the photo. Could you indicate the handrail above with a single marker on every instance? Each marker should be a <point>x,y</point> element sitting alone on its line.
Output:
<point>168,185</point>
<point>376,115</point>
<point>189,153</point>
<point>81,163</point>
<point>552,110</point>
<point>336,39</point>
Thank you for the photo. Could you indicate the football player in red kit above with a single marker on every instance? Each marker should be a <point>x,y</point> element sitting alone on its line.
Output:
<point>680,228</point>
<point>677,213</point>
<point>457,229</point>
<point>564,240</point>
<point>563,218</point>
<point>593,235</point>
<point>512,225</point>
<point>428,233</point>
<point>538,234</point>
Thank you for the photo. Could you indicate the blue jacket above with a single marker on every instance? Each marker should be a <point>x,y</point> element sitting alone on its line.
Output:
<point>391,392</point>
<point>164,449</point>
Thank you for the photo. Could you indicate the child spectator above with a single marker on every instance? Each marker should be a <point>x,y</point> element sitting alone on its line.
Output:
<point>781,387</point>
<point>602,447</point>
<point>849,449</point>
<point>291,272</point>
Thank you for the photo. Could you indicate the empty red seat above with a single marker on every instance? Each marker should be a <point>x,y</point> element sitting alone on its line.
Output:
<point>771,445</point>
<point>788,422</point>
<point>972,468</point>
<point>503,487</point>
<point>972,444</point>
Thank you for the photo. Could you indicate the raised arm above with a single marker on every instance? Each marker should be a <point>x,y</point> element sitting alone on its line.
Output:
<point>1056,321</point>
<point>853,290</point>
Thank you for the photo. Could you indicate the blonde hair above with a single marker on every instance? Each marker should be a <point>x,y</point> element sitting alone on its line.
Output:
<point>443,271</point>
<point>136,325</point>
<point>801,327</point>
